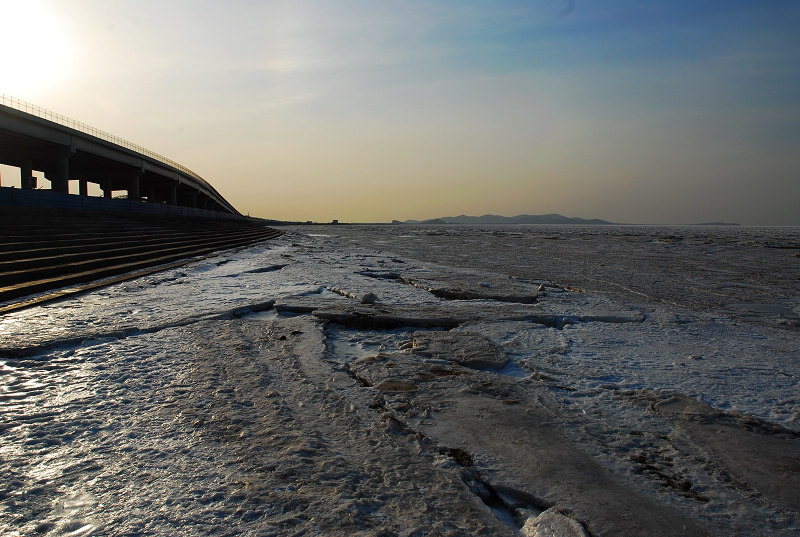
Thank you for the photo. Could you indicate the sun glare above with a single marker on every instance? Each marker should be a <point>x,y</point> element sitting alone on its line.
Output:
<point>34,49</point>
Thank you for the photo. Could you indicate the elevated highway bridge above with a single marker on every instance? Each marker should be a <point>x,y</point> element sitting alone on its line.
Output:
<point>54,244</point>
<point>35,139</point>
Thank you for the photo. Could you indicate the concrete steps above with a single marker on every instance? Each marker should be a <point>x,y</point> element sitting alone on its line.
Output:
<point>45,262</point>
<point>44,252</point>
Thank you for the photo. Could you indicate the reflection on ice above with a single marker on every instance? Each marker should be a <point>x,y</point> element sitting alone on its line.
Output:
<point>513,369</point>
<point>346,346</point>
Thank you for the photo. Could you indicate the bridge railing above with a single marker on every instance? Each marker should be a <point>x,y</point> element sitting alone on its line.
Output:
<point>43,113</point>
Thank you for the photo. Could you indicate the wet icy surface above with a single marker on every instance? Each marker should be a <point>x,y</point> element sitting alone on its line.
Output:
<point>309,385</point>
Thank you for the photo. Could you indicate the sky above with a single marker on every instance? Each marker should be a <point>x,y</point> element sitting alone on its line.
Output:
<point>647,112</point>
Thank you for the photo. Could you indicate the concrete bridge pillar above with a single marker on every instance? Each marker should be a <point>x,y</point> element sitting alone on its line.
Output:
<point>26,180</point>
<point>83,186</point>
<point>62,174</point>
<point>59,178</point>
<point>133,187</point>
<point>173,194</point>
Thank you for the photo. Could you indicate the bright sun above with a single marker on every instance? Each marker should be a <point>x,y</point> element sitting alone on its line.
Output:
<point>35,50</point>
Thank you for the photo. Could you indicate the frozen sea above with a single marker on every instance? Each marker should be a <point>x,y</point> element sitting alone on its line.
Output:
<point>418,380</point>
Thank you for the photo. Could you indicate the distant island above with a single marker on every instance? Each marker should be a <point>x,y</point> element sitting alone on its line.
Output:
<point>519,219</point>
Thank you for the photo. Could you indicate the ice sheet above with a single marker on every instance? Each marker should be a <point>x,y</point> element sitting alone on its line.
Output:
<point>150,405</point>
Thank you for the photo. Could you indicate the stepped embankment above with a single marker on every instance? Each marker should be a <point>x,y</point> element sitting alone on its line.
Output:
<point>45,255</point>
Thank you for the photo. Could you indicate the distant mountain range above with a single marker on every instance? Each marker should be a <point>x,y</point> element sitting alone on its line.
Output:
<point>520,219</point>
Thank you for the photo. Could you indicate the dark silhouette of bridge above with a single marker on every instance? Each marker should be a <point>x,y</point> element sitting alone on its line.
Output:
<point>54,244</point>
<point>35,139</point>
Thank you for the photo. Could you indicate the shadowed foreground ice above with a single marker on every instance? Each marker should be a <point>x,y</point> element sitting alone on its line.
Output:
<point>417,381</point>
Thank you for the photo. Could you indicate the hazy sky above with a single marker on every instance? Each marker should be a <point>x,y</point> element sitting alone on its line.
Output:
<point>632,111</point>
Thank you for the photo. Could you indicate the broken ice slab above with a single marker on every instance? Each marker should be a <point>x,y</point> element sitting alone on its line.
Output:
<point>463,285</point>
<point>306,303</point>
<point>513,440</point>
<point>380,317</point>
<point>365,298</point>
<point>469,349</point>
<point>552,522</point>
<point>476,287</point>
<point>444,316</point>
<point>759,456</point>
